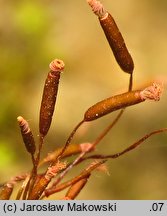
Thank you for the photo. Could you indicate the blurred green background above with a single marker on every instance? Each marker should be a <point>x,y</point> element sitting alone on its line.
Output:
<point>32,34</point>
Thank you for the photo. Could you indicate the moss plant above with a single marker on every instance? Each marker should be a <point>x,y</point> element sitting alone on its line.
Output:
<point>36,185</point>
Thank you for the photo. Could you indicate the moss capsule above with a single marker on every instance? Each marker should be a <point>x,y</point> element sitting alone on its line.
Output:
<point>121,101</point>
<point>114,37</point>
<point>76,188</point>
<point>49,96</point>
<point>27,135</point>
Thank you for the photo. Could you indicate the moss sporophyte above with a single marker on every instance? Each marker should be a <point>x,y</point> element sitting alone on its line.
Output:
<point>37,184</point>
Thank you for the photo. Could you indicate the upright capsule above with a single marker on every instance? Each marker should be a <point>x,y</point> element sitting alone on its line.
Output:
<point>114,37</point>
<point>27,135</point>
<point>49,96</point>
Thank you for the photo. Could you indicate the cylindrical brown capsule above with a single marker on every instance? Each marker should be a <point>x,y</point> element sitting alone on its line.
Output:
<point>84,174</point>
<point>6,192</point>
<point>27,135</point>
<point>7,189</point>
<point>121,101</point>
<point>45,180</point>
<point>76,188</point>
<point>49,96</point>
<point>113,36</point>
<point>72,149</point>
